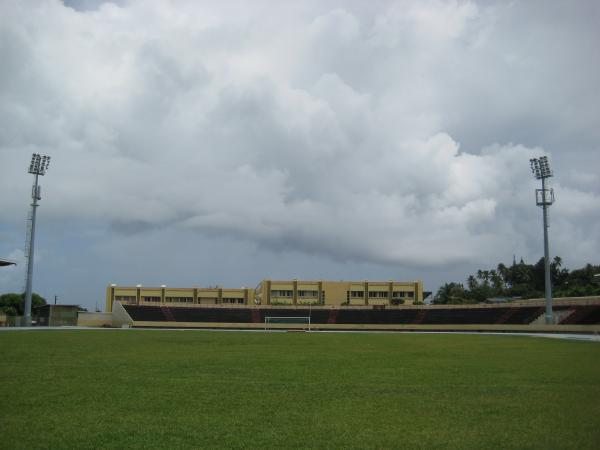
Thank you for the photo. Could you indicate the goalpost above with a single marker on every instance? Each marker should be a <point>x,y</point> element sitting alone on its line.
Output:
<point>283,320</point>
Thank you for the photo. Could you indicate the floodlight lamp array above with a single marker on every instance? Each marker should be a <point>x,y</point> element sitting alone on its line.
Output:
<point>540,168</point>
<point>39,164</point>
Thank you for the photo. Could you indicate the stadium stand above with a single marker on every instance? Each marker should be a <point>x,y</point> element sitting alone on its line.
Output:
<point>507,315</point>
<point>522,315</point>
<point>145,313</point>
<point>333,313</point>
<point>212,315</point>
<point>462,316</point>
<point>177,314</point>
<point>316,315</point>
<point>379,316</point>
<point>167,313</point>
<point>583,315</point>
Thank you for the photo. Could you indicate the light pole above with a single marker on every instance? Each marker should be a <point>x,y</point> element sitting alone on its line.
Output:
<point>544,197</point>
<point>38,167</point>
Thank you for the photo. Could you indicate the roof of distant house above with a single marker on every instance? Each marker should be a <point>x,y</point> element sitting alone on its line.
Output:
<point>7,262</point>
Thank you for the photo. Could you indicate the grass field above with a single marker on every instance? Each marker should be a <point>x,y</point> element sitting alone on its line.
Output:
<point>202,389</point>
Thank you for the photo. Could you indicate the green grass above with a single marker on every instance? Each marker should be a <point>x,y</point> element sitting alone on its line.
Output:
<point>200,389</point>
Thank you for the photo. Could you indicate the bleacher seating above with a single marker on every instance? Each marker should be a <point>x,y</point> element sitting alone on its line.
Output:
<point>463,316</point>
<point>226,315</point>
<point>376,316</point>
<point>509,315</point>
<point>145,313</point>
<point>592,317</point>
<point>524,315</point>
<point>316,315</point>
<point>584,315</point>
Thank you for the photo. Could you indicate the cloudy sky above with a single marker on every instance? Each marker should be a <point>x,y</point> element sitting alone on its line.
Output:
<point>222,142</point>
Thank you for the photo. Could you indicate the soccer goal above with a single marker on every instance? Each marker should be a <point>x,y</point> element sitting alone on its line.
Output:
<point>287,320</point>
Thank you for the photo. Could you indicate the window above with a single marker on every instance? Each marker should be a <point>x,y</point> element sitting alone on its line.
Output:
<point>232,300</point>
<point>400,294</point>
<point>282,293</point>
<point>312,294</point>
<point>151,299</point>
<point>125,298</point>
<point>378,294</point>
<point>357,294</point>
<point>64,314</point>
<point>179,299</point>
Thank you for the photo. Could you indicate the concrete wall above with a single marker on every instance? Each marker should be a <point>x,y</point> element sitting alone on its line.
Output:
<point>120,317</point>
<point>588,329</point>
<point>94,319</point>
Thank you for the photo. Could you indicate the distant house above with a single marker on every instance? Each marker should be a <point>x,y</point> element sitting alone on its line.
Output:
<point>56,315</point>
<point>7,262</point>
<point>501,299</point>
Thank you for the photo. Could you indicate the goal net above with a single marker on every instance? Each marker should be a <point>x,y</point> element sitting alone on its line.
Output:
<point>298,322</point>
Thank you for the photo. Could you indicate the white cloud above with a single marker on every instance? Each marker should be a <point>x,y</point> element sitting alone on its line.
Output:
<point>329,128</point>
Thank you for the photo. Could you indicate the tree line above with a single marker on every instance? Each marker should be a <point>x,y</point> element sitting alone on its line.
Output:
<point>13,304</point>
<point>520,280</point>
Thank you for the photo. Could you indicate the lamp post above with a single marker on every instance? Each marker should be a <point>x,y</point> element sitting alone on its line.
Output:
<point>544,197</point>
<point>38,167</point>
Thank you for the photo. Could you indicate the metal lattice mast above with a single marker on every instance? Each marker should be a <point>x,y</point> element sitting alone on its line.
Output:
<point>544,198</point>
<point>38,167</point>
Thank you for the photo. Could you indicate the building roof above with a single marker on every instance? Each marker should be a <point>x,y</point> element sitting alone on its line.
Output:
<point>7,262</point>
<point>52,305</point>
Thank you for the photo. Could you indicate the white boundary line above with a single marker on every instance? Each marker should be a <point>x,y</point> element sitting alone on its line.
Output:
<point>568,336</point>
<point>267,320</point>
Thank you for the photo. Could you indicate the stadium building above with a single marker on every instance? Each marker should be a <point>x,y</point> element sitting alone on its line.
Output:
<point>273,292</point>
<point>330,305</point>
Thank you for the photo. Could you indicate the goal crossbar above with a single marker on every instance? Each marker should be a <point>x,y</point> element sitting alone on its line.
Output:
<point>283,320</point>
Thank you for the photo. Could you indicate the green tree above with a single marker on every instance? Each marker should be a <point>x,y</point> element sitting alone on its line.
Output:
<point>497,282</point>
<point>12,304</point>
<point>521,280</point>
<point>472,283</point>
<point>451,294</point>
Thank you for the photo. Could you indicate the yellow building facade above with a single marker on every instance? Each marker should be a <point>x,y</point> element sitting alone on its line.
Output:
<point>274,292</point>
<point>338,293</point>
<point>165,296</point>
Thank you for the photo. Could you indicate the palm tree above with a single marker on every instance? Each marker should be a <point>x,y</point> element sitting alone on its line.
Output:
<point>502,270</point>
<point>557,262</point>
<point>497,282</point>
<point>486,276</point>
<point>472,283</point>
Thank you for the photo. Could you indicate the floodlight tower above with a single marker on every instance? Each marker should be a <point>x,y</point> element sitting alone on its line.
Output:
<point>38,167</point>
<point>544,197</point>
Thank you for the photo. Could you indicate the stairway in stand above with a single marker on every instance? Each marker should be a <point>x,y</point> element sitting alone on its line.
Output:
<point>505,316</point>
<point>256,316</point>
<point>420,317</point>
<point>579,313</point>
<point>333,313</point>
<point>167,313</point>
